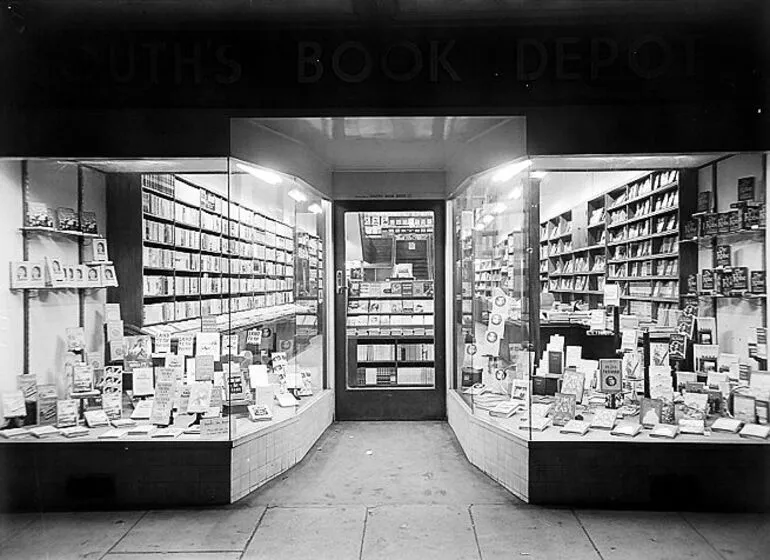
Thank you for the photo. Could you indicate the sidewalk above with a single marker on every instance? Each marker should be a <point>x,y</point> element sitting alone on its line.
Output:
<point>384,490</point>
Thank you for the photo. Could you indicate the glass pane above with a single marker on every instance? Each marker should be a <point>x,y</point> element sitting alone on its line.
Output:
<point>389,269</point>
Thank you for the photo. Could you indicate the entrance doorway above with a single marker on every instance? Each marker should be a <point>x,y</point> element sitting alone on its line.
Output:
<point>389,288</point>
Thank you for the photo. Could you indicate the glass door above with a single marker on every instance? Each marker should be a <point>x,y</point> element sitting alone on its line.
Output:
<point>389,284</point>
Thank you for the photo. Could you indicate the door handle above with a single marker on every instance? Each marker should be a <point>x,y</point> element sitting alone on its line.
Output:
<point>340,282</point>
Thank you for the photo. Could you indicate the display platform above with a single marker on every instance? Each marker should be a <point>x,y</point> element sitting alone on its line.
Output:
<point>94,474</point>
<point>718,472</point>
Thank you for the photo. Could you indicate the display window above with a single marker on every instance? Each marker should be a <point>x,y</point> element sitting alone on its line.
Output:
<point>159,300</point>
<point>635,309</point>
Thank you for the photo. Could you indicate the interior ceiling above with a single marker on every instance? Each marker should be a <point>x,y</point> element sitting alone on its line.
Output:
<point>182,165</point>
<point>617,163</point>
<point>384,143</point>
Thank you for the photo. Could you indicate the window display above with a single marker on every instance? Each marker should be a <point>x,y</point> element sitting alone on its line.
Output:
<point>652,319</point>
<point>161,306</point>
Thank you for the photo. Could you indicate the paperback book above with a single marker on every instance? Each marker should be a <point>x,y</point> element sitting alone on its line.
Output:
<point>578,427</point>
<point>39,215</point>
<point>67,219</point>
<point>604,419</point>
<point>626,430</point>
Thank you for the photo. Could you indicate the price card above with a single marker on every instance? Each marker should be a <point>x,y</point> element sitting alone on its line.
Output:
<point>215,427</point>
<point>204,368</point>
<point>186,342</point>
<point>254,337</point>
<point>597,320</point>
<point>230,344</point>
<point>630,339</point>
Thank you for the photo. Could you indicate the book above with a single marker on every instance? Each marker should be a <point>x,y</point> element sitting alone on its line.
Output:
<point>27,275</point>
<point>735,223</point>
<point>563,409</point>
<point>138,349</point>
<point>112,313</point>
<point>54,269</point>
<point>723,257</point>
<point>67,219</point>
<point>207,344</point>
<point>677,346</point>
<point>166,433</point>
<point>740,278</point>
<point>604,419</point>
<point>82,378</point>
<point>744,408</point>
<point>66,413</point>
<point>46,405</point>
<point>665,431</point>
<point>142,410</point>
<point>578,427</point>
<point>109,276</point>
<point>555,362</point>
<point>727,425</point>
<point>98,251</point>
<point>632,365</point>
<point>39,215</point>
<point>258,413</point>
<point>75,431</point>
<point>573,382</point>
<point>746,189</point>
<point>123,423</point>
<point>13,405</point>
<point>88,223</point>
<point>704,202</point>
<point>43,432</point>
<point>610,375</point>
<point>286,400</point>
<point>506,409</point>
<point>754,431</point>
<point>143,385</point>
<point>112,434</point>
<point>757,282</point>
<point>626,430</point>
<point>14,433</point>
<point>659,354</point>
<point>650,412</point>
<point>140,430</point>
<point>96,418</point>
<point>535,423</point>
<point>692,426</point>
<point>710,224</point>
<point>200,397</point>
<point>723,222</point>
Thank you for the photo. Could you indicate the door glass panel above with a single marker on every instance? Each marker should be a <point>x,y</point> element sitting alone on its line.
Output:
<point>390,274</point>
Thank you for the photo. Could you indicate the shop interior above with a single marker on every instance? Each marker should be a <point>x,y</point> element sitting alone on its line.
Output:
<point>592,297</point>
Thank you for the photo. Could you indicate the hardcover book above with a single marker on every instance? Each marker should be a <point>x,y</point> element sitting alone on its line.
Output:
<point>46,405</point>
<point>752,217</point>
<point>536,423</point>
<point>200,397</point>
<point>691,229</point>
<point>66,413</point>
<point>123,423</point>
<point>604,419</point>
<point>143,382</point>
<point>723,256</point>
<point>88,223</point>
<point>563,409</point>
<point>13,405</point>
<point>626,430</point>
<point>746,189</point>
<point>39,215</point>
<point>578,427</point>
<point>54,271</point>
<point>755,431</point>
<point>82,378</point>
<point>555,362</point>
<point>741,278</point>
<point>707,281</point>
<point>142,411</point>
<point>610,375</point>
<point>658,354</point>
<point>42,432</point>
<point>506,409</point>
<point>723,222</point>
<point>208,344</point>
<point>744,408</point>
<point>74,431</point>
<point>758,285</point>
<point>692,426</point>
<point>112,434</point>
<point>111,312</point>
<point>573,383</point>
<point>704,202</point>
<point>258,413</point>
<point>96,418</point>
<point>68,219</point>
<point>710,224</point>
<point>109,276</point>
<point>677,346</point>
<point>650,412</point>
<point>75,339</point>
<point>727,425</point>
<point>665,431</point>
<point>735,222</point>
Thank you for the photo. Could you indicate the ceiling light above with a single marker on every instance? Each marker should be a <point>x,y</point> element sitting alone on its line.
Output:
<point>315,208</point>
<point>297,195</point>
<point>508,171</point>
<point>265,175</point>
<point>486,220</point>
<point>538,174</point>
<point>515,194</point>
<point>479,227</point>
<point>499,208</point>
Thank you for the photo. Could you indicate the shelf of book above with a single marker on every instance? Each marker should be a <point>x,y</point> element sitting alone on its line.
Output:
<point>641,218</point>
<point>59,232</point>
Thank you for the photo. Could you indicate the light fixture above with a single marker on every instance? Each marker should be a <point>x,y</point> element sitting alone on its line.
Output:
<point>508,171</point>
<point>315,208</point>
<point>538,174</point>
<point>265,175</point>
<point>480,226</point>
<point>297,195</point>
<point>499,208</point>
<point>486,220</point>
<point>515,194</point>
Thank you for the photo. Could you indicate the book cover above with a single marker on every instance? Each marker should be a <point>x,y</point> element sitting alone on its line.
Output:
<point>88,223</point>
<point>258,413</point>
<point>725,279</point>
<point>744,408</point>
<point>755,431</point>
<point>200,397</point>
<point>506,409</point>
<point>39,215</point>
<point>723,222</point>
<point>665,431</point>
<point>753,217</point>
<point>604,419</point>
<point>758,285</point>
<point>142,385</point>
<point>138,348</point>
<point>94,277</point>
<point>710,224</point>
<point>610,375</point>
<point>27,384</point>
<point>746,189</point>
<point>704,202</point>
<point>99,253</point>
<point>66,413</point>
<point>726,425</point>
<point>659,353</point>
<point>117,350</point>
<point>578,427</point>
<point>691,229</point>
<point>109,276</point>
<point>563,409</point>
<point>13,405</point>
<point>632,365</point>
<point>677,346</point>
<point>555,362</point>
<point>204,368</point>
<point>160,415</point>
<point>82,378</point>
<point>650,412</point>
<point>142,411</point>
<point>626,430</point>
<point>536,424</point>
<point>54,270</point>
<point>112,312</point>
<point>692,426</point>
<point>42,432</point>
<point>67,219</point>
<point>723,256</point>
<point>707,281</point>
<point>115,331</point>
<point>74,431</point>
<point>573,383</point>
<point>96,418</point>
<point>46,405</point>
<point>163,343</point>
<point>207,344</point>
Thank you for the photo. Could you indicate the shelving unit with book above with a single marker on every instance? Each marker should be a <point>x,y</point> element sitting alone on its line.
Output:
<point>193,254</point>
<point>309,278</point>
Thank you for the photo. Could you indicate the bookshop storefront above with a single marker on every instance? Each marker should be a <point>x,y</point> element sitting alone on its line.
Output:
<point>589,300</point>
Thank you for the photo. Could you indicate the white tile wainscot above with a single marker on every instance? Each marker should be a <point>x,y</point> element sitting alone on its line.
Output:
<point>497,452</point>
<point>260,456</point>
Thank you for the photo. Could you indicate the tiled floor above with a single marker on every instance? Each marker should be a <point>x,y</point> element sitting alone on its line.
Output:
<point>384,490</point>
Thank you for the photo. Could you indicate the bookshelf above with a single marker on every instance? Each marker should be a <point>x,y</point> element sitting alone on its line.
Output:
<point>195,254</point>
<point>629,236</point>
<point>390,333</point>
